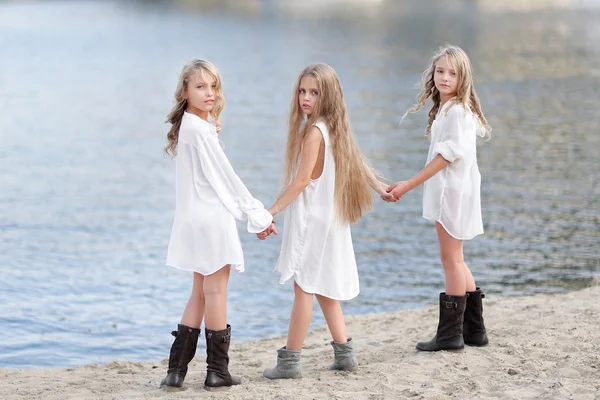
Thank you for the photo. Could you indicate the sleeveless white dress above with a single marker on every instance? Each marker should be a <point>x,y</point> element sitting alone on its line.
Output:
<point>316,249</point>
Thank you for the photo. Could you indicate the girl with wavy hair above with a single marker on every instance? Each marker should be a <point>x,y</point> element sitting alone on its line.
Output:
<point>451,193</point>
<point>204,238</point>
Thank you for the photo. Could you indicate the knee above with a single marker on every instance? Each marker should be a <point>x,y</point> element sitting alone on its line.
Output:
<point>451,261</point>
<point>214,289</point>
<point>197,296</point>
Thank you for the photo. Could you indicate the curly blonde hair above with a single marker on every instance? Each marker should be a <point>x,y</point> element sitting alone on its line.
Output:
<point>352,191</point>
<point>465,92</point>
<point>180,105</point>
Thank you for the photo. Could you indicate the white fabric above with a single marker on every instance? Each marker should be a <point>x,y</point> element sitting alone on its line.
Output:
<point>316,249</point>
<point>209,197</point>
<point>452,196</point>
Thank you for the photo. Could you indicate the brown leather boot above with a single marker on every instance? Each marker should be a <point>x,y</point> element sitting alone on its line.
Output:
<point>182,352</point>
<point>474,333</point>
<point>450,326</point>
<point>217,360</point>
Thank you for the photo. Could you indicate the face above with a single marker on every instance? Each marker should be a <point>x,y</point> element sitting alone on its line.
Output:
<point>444,77</point>
<point>308,94</point>
<point>200,93</point>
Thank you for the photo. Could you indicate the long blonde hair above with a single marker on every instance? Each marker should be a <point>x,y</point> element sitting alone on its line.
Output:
<point>352,191</point>
<point>465,92</point>
<point>174,117</point>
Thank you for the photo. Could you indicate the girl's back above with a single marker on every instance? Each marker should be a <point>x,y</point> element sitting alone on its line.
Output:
<point>317,248</point>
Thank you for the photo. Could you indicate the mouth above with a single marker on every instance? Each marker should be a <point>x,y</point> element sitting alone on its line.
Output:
<point>209,102</point>
<point>305,106</point>
<point>445,86</point>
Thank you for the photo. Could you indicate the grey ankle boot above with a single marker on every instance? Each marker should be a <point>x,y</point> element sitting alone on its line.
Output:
<point>288,365</point>
<point>345,360</point>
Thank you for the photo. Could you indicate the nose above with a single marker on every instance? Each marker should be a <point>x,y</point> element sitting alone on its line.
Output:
<point>210,91</point>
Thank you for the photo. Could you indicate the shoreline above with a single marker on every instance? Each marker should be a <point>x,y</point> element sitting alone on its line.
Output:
<point>541,346</point>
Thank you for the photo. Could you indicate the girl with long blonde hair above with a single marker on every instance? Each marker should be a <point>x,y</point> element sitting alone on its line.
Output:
<point>328,187</point>
<point>451,193</point>
<point>204,238</point>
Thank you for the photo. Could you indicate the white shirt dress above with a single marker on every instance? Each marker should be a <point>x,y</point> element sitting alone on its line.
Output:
<point>209,198</point>
<point>452,196</point>
<point>316,249</point>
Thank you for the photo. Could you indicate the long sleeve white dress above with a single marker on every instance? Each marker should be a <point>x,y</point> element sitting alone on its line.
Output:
<point>452,196</point>
<point>209,198</point>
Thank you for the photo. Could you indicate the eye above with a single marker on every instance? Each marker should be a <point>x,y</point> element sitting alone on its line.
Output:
<point>200,86</point>
<point>214,86</point>
<point>453,73</point>
<point>315,93</point>
<point>302,91</point>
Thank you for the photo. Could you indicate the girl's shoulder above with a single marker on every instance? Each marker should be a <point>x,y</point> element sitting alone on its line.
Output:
<point>195,128</point>
<point>456,110</point>
<point>322,125</point>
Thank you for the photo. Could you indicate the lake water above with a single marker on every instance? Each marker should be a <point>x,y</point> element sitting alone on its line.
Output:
<point>86,196</point>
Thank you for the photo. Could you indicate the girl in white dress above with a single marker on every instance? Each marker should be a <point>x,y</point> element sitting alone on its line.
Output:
<point>451,193</point>
<point>328,188</point>
<point>204,238</point>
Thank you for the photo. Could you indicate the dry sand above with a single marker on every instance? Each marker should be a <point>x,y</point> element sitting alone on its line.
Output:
<point>541,347</point>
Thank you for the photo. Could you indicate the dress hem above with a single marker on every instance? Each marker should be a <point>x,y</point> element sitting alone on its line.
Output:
<point>238,267</point>
<point>450,233</point>
<point>282,281</point>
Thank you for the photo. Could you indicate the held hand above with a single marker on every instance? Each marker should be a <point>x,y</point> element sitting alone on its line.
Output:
<point>399,189</point>
<point>389,198</point>
<point>267,232</point>
<point>385,195</point>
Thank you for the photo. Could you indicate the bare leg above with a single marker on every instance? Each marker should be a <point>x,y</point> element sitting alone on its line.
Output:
<point>470,281</point>
<point>194,310</point>
<point>300,319</point>
<point>215,294</point>
<point>451,254</point>
<point>332,310</point>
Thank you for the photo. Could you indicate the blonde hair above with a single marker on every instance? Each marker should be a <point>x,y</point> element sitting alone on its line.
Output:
<point>174,117</point>
<point>465,92</point>
<point>352,191</point>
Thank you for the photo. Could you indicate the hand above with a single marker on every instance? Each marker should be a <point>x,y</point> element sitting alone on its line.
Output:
<point>267,232</point>
<point>385,195</point>
<point>389,198</point>
<point>399,189</point>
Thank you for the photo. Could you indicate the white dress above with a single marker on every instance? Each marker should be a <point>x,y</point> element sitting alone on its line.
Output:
<point>316,249</point>
<point>452,196</point>
<point>209,197</point>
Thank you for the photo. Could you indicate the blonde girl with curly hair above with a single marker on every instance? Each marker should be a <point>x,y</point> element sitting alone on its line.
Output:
<point>451,193</point>
<point>204,238</point>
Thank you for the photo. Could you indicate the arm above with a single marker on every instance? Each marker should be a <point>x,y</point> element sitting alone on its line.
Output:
<point>452,146</point>
<point>310,154</point>
<point>399,189</point>
<point>230,188</point>
<point>377,185</point>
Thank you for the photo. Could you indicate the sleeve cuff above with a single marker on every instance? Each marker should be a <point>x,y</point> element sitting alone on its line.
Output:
<point>259,219</point>
<point>448,150</point>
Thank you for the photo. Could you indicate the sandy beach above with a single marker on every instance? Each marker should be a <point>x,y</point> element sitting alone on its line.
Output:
<point>541,347</point>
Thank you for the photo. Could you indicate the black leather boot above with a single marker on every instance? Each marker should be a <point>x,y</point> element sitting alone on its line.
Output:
<point>474,333</point>
<point>217,360</point>
<point>450,326</point>
<point>182,352</point>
